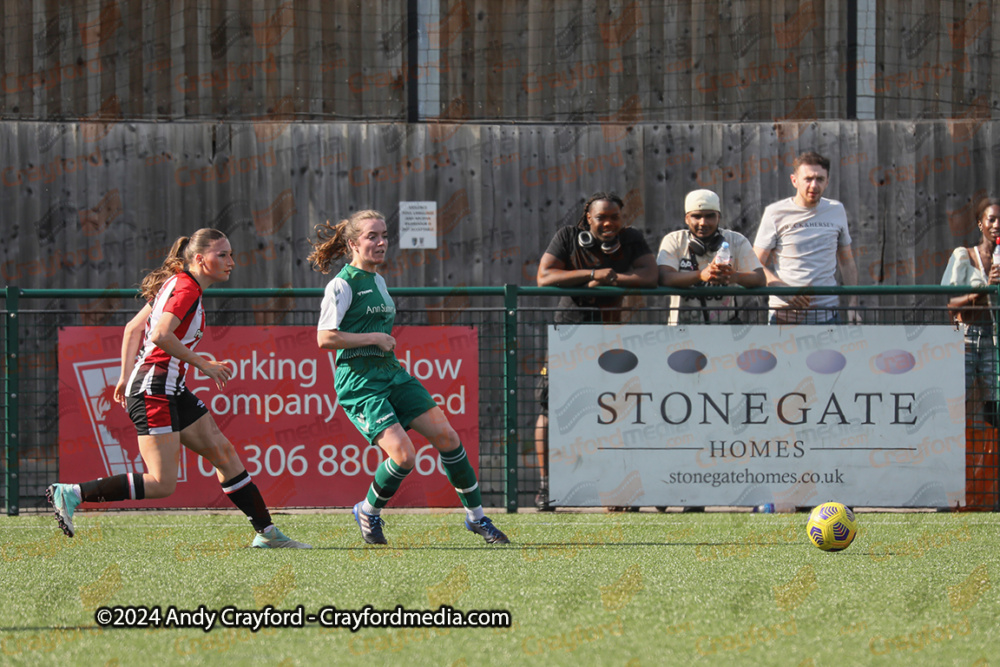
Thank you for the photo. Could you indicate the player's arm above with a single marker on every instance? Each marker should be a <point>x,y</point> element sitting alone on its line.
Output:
<point>849,276</point>
<point>848,270</point>
<point>671,277</point>
<point>764,255</point>
<point>552,272</point>
<point>333,339</point>
<point>131,340</point>
<point>772,280</point>
<point>163,337</point>
<point>753,278</point>
<point>643,273</point>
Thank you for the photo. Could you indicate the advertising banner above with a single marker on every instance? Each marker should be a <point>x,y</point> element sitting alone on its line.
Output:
<point>744,415</point>
<point>279,410</point>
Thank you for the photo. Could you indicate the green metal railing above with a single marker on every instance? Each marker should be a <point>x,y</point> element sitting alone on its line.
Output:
<point>512,321</point>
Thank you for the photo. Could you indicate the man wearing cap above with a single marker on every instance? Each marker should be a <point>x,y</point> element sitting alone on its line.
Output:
<point>687,259</point>
<point>802,241</point>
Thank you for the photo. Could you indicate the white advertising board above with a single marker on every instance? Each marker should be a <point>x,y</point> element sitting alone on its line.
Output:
<point>744,415</point>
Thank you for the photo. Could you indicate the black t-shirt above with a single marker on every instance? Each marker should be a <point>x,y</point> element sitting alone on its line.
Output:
<point>566,248</point>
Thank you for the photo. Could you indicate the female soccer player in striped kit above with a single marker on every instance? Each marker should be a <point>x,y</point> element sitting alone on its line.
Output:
<point>165,412</point>
<point>381,399</point>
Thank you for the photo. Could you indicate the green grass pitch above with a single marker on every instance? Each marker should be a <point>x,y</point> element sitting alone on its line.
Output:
<point>581,588</point>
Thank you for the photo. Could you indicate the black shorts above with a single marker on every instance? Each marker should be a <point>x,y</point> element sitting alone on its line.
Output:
<point>159,414</point>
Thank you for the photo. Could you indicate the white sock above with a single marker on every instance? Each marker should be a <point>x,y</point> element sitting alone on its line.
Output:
<point>368,509</point>
<point>474,513</point>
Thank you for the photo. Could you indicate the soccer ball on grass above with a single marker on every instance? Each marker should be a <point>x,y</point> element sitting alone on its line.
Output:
<point>832,526</point>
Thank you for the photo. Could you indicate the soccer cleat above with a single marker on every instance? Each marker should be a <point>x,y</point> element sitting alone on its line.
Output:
<point>490,533</point>
<point>64,500</point>
<point>370,525</point>
<point>272,538</point>
<point>542,503</point>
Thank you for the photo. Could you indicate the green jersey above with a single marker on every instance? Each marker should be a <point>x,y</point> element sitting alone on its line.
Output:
<point>357,301</point>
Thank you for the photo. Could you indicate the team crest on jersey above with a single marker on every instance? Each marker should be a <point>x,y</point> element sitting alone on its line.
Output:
<point>198,334</point>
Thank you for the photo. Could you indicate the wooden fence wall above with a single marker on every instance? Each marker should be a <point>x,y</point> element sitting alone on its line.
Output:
<point>499,60</point>
<point>93,204</point>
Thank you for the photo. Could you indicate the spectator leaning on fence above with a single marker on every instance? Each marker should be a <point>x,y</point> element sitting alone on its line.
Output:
<point>974,266</point>
<point>165,412</point>
<point>380,398</point>
<point>801,241</point>
<point>598,250</point>
<point>687,258</point>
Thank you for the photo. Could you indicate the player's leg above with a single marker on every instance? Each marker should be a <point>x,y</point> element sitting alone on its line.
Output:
<point>542,441</point>
<point>434,426</point>
<point>204,437</point>
<point>388,477</point>
<point>155,419</point>
<point>542,452</point>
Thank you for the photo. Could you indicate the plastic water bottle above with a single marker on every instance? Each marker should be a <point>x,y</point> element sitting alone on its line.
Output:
<point>996,253</point>
<point>725,257</point>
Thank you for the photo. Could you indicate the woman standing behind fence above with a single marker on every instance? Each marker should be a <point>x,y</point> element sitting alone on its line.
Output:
<point>380,398</point>
<point>165,412</point>
<point>974,266</point>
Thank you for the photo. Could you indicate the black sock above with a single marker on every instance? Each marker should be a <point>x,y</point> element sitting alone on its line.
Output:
<point>245,495</point>
<point>114,488</point>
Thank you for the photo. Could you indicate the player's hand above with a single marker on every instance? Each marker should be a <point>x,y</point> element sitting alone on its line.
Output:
<point>218,372</point>
<point>717,274</point>
<point>385,342</point>
<point>120,392</point>
<point>606,277</point>
<point>800,301</point>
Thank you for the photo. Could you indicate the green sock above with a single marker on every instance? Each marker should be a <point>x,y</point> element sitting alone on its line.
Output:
<point>388,477</point>
<point>462,477</point>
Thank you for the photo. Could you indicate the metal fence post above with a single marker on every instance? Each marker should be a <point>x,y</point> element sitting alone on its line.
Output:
<point>12,487</point>
<point>510,439</point>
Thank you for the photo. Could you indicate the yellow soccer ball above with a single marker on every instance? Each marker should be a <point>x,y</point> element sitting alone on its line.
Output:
<point>832,526</point>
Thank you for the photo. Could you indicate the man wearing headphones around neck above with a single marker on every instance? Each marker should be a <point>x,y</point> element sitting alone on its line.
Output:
<point>599,250</point>
<point>687,259</point>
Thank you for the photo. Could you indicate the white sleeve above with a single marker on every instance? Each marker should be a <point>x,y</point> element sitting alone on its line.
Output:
<point>669,252</point>
<point>766,233</point>
<point>337,299</point>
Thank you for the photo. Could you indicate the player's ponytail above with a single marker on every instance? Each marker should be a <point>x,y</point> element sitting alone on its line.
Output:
<point>182,253</point>
<point>174,263</point>
<point>331,240</point>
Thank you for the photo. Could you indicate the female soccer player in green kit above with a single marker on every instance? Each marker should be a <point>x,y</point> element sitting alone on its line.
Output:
<point>380,398</point>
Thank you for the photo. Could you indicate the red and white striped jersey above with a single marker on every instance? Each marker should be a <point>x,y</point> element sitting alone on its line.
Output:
<point>156,372</point>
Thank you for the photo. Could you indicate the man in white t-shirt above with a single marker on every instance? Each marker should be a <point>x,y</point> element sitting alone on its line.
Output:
<point>687,259</point>
<point>801,242</point>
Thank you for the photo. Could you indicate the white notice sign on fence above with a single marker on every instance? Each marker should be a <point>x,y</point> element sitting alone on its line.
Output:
<point>418,225</point>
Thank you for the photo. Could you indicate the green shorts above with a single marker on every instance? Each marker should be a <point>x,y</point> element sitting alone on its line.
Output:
<point>376,393</point>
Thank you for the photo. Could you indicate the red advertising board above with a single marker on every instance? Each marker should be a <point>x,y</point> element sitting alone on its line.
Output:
<point>279,410</point>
